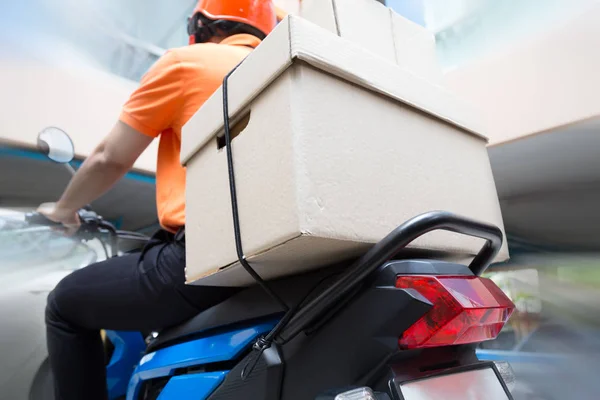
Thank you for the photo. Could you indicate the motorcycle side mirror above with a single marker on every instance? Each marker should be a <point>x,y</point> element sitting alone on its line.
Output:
<point>56,144</point>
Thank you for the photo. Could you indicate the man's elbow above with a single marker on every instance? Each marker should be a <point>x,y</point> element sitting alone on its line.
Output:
<point>121,148</point>
<point>105,159</point>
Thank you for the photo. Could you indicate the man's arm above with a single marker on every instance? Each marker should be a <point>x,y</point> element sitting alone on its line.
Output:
<point>109,161</point>
<point>152,108</point>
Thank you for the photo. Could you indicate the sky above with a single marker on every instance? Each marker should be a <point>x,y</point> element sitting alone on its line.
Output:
<point>410,9</point>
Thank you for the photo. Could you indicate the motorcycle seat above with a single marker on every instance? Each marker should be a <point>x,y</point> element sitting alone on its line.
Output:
<point>249,304</point>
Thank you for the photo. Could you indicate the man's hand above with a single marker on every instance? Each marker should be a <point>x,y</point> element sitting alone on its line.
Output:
<point>68,218</point>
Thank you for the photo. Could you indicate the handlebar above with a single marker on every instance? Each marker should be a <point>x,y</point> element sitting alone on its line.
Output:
<point>92,225</point>
<point>35,218</point>
<point>90,222</point>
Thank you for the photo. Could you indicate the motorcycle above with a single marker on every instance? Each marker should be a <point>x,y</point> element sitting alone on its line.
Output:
<point>383,326</point>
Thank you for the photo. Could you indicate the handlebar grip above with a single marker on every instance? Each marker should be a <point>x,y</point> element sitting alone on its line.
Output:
<point>36,218</point>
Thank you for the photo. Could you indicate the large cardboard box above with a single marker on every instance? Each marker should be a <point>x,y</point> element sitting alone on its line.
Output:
<point>334,148</point>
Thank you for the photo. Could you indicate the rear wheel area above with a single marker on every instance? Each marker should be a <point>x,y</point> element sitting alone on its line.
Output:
<point>42,387</point>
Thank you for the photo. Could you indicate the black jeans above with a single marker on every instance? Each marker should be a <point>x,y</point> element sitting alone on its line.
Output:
<point>131,293</point>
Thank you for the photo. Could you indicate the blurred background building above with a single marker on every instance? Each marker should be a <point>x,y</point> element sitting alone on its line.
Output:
<point>531,67</point>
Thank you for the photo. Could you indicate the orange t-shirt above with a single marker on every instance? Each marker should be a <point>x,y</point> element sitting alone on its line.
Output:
<point>169,95</point>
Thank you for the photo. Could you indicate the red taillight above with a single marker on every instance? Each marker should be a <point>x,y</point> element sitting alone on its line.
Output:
<point>466,309</point>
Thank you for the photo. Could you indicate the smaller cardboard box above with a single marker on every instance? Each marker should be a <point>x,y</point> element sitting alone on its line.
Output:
<point>380,30</point>
<point>333,148</point>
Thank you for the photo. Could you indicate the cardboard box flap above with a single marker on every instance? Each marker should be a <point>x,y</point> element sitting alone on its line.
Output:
<point>297,39</point>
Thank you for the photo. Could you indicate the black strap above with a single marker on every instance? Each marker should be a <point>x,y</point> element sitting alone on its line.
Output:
<point>234,202</point>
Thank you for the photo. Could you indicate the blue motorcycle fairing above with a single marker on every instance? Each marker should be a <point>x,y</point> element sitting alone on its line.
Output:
<point>220,347</point>
<point>129,347</point>
<point>198,386</point>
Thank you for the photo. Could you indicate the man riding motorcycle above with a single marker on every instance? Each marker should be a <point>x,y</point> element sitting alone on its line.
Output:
<point>145,292</point>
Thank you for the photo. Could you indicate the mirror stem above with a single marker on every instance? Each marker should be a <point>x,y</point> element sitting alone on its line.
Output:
<point>70,168</point>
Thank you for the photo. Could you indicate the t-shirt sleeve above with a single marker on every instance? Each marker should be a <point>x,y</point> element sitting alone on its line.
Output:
<point>158,101</point>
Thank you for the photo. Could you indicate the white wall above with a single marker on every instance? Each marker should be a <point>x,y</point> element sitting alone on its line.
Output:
<point>291,6</point>
<point>544,81</point>
<point>85,103</point>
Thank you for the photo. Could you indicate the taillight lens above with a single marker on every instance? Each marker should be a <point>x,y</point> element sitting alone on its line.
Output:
<point>466,309</point>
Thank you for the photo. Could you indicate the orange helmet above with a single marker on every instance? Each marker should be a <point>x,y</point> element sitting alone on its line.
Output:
<point>259,14</point>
